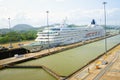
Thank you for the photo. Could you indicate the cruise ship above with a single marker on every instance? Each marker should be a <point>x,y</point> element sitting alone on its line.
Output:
<point>64,35</point>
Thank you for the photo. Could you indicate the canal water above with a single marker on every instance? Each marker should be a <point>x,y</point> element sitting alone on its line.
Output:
<point>63,63</point>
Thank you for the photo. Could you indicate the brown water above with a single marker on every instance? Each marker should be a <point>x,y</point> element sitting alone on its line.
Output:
<point>25,74</point>
<point>63,63</point>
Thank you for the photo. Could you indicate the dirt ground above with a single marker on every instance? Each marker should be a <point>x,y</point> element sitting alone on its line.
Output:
<point>16,44</point>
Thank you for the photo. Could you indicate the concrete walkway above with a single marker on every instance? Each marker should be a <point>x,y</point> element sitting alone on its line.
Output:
<point>90,71</point>
<point>113,73</point>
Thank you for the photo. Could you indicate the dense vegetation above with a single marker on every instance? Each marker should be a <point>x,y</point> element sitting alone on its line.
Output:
<point>15,36</point>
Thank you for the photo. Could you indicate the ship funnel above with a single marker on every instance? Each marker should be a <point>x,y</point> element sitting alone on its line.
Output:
<point>93,22</point>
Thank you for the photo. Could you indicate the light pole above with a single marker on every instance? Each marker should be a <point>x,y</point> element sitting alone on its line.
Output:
<point>104,3</point>
<point>10,46</point>
<point>47,12</point>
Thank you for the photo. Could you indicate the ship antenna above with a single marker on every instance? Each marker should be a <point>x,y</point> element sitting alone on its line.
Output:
<point>64,21</point>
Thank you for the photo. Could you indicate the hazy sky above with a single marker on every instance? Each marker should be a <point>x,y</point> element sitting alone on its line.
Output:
<point>79,12</point>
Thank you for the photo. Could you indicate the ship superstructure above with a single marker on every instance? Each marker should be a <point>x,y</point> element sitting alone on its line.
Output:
<point>62,34</point>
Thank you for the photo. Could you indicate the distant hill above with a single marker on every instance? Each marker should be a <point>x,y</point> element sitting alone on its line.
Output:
<point>22,27</point>
<point>19,28</point>
<point>26,27</point>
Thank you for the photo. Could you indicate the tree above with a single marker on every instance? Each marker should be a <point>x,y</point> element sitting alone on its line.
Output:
<point>18,36</point>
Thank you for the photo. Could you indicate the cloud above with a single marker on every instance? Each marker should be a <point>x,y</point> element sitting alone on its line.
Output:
<point>113,10</point>
<point>60,0</point>
<point>5,13</point>
<point>38,18</point>
<point>80,16</point>
<point>1,0</point>
<point>87,13</point>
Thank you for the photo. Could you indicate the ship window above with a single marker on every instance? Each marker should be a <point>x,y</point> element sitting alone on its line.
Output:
<point>56,29</point>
